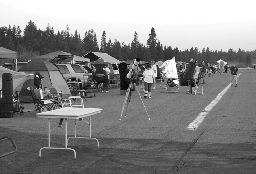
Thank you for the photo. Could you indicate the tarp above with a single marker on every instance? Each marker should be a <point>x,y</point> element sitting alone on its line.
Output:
<point>170,69</point>
<point>18,77</point>
<point>7,54</point>
<point>52,78</point>
<point>93,56</point>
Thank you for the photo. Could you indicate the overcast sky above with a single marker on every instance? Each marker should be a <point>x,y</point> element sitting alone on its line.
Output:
<point>217,24</point>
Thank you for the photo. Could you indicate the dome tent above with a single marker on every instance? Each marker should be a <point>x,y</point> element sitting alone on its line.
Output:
<point>52,78</point>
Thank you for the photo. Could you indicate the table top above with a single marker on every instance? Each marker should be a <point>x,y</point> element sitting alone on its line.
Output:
<point>69,113</point>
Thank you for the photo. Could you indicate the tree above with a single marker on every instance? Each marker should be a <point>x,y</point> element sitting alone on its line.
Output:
<point>248,59</point>
<point>103,43</point>
<point>109,47</point>
<point>76,44</point>
<point>151,43</point>
<point>90,41</point>
<point>116,50</point>
<point>32,37</point>
<point>134,46</point>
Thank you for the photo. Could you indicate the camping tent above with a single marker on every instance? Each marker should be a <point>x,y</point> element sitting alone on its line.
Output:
<point>8,54</point>
<point>18,77</point>
<point>52,78</point>
<point>55,57</point>
<point>93,56</point>
<point>100,64</point>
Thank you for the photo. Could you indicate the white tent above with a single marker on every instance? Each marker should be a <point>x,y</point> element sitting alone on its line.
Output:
<point>170,69</point>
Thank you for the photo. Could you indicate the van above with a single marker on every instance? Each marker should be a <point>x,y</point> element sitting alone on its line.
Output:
<point>73,72</point>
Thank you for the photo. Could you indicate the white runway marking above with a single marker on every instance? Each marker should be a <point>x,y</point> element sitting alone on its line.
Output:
<point>200,118</point>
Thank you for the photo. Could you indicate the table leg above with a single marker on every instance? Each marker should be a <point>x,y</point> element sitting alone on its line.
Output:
<point>49,140</point>
<point>90,132</point>
<point>49,137</point>
<point>66,133</point>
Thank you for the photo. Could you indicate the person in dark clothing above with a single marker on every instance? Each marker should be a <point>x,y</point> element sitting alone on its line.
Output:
<point>37,79</point>
<point>233,72</point>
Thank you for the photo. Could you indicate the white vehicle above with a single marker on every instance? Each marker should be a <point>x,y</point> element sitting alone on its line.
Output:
<point>73,72</point>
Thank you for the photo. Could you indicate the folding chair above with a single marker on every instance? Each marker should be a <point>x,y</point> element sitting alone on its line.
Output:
<point>72,101</point>
<point>42,104</point>
<point>13,145</point>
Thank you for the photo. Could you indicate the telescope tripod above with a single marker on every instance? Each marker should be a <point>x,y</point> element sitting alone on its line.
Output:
<point>127,100</point>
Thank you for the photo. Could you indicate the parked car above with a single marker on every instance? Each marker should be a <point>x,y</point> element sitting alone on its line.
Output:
<point>74,73</point>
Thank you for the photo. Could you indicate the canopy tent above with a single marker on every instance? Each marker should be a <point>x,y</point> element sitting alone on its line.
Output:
<point>93,56</point>
<point>18,77</point>
<point>52,78</point>
<point>8,54</point>
<point>100,64</point>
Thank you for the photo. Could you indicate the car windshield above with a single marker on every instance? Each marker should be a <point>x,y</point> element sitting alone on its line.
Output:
<point>77,69</point>
<point>63,69</point>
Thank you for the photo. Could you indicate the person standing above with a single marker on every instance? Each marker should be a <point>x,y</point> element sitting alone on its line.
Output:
<point>196,77</point>
<point>148,77</point>
<point>107,77</point>
<point>154,68</point>
<point>233,72</point>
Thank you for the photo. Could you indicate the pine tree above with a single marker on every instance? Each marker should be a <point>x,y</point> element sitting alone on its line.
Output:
<point>151,43</point>
<point>103,43</point>
<point>135,45</point>
<point>90,42</point>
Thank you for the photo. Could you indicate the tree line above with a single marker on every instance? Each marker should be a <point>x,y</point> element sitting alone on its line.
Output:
<point>34,41</point>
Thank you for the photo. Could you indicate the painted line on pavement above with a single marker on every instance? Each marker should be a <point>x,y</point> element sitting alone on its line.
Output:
<point>200,118</point>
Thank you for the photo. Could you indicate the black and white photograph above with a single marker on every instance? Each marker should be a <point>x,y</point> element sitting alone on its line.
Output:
<point>128,87</point>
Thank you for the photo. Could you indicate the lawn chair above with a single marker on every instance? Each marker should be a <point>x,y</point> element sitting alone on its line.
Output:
<point>13,145</point>
<point>42,104</point>
<point>72,101</point>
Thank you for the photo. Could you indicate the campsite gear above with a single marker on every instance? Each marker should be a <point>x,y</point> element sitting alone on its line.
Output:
<point>124,82</point>
<point>42,104</point>
<point>170,72</point>
<point>6,102</point>
<point>52,79</point>
<point>127,100</point>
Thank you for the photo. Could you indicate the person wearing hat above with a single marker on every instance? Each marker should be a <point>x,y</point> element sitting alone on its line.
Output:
<point>37,79</point>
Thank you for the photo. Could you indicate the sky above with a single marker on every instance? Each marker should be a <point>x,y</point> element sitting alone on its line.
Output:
<point>217,24</point>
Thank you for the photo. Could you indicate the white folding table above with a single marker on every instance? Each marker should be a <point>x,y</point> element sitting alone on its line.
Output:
<point>71,113</point>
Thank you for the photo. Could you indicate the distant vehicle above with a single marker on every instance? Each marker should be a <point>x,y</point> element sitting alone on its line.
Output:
<point>115,69</point>
<point>74,73</point>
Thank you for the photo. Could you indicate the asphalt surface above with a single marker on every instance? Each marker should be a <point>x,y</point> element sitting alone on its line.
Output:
<point>225,142</point>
